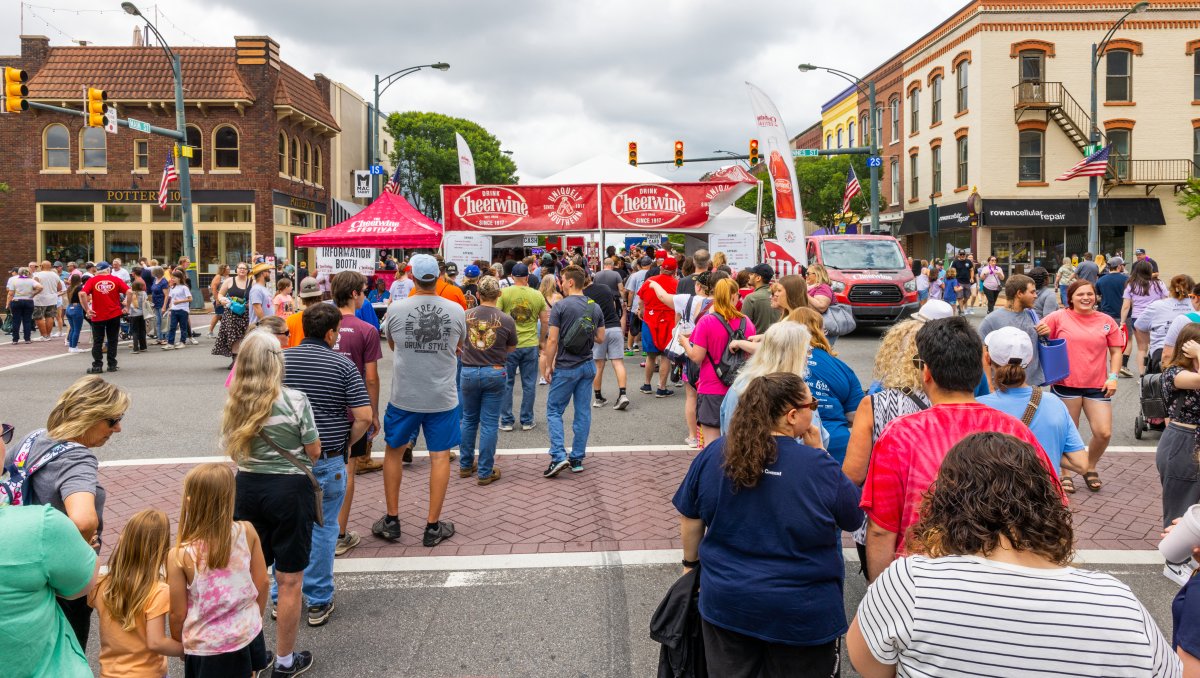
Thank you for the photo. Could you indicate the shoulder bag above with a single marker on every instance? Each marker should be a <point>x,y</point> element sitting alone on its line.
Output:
<point>838,320</point>
<point>1032,407</point>
<point>319,513</point>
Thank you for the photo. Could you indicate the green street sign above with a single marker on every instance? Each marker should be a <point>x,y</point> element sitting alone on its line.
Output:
<point>139,125</point>
<point>805,152</point>
<point>1093,148</point>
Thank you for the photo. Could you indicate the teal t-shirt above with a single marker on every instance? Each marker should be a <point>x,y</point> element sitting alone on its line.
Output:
<point>43,556</point>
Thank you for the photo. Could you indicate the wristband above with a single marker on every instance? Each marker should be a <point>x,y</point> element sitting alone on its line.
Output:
<point>691,563</point>
<point>1112,376</point>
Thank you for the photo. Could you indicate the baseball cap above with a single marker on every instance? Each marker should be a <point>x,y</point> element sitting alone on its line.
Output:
<point>764,271</point>
<point>1009,345</point>
<point>103,266</point>
<point>645,261</point>
<point>471,271</point>
<point>488,286</point>
<point>670,264</point>
<point>309,288</point>
<point>424,267</point>
<point>451,269</point>
<point>1139,251</point>
<point>661,254</point>
<point>57,264</point>
<point>1115,262</point>
<point>520,271</point>
<point>934,309</point>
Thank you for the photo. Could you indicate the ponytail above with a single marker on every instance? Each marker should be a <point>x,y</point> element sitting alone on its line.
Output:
<point>750,443</point>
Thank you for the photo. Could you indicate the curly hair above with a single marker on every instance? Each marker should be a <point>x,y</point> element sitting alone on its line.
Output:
<point>750,444</point>
<point>992,485</point>
<point>894,367</point>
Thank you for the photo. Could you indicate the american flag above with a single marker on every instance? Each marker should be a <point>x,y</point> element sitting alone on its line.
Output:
<point>852,189</point>
<point>393,184</point>
<point>1095,165</point>
<point>168,176</point>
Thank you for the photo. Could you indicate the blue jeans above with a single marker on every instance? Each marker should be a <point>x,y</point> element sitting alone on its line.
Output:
<point>1062,294</point>
<point>179,317</point>
<point>75,320</point>
<point>481,391</point>
<point>158,323</point>
<point>526,361</point>
<point>318,576</point>
<point>568,383</point>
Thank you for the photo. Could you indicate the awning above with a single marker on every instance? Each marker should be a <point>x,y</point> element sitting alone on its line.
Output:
<point>953,217</point>
<point>343,210</point>
<point>390,221</point>
<point>1006,212</point>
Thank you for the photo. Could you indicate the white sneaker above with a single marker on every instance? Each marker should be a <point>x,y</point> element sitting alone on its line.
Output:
<point>76,350</point>
<point>168,347</point>
<point>195,342</point>
<point>55,333</point>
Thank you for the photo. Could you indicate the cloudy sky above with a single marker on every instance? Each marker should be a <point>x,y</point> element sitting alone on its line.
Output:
<point>556,81</point>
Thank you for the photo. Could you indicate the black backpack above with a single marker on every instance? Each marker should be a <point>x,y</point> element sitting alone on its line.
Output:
<point>581,335</point>
<point>731,361</point>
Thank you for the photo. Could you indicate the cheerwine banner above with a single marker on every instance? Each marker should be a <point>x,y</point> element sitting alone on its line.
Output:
<point>789,225</point>
<point>520,208</point>
<point>667,206</point>
<point>374,225</point>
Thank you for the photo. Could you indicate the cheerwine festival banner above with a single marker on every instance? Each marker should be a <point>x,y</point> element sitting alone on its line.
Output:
<point>789,224</point>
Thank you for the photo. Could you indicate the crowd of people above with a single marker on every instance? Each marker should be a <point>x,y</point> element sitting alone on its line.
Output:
<point>952,469</point>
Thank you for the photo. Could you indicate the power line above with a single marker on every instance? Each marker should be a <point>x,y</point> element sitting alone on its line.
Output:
<point>73,11</point>
<point>164,17</point>
<point>50,25</point>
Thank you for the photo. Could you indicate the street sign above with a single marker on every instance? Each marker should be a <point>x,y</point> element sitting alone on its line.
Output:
<point>110,120</point>
<point>874,161</point>
<point>1093,148</point>
<point>362,184</point>
<point>139,126</point>
<point>377,169</point>
<point>805,152</point>
<point>529,241</point>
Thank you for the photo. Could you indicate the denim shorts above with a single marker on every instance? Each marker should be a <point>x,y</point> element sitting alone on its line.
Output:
<point>443,430</point>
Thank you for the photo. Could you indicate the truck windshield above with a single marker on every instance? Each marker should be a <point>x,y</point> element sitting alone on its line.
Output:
<point>866,254</point>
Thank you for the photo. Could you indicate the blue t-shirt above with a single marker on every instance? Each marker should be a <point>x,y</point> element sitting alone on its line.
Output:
<point>158,292</point>
<point>838,391</point>
<point>366,313</point>
<point>771,558</point>
<point>1185,618</point>
<point>1111,287</point>
<point>260,295</point>
<point>1052,425</point>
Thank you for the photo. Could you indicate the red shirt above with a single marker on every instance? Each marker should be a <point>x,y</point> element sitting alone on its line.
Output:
<point>906,458</point>
<point>1089,336</point>
<point>105,290</point>
<point>659,317</point>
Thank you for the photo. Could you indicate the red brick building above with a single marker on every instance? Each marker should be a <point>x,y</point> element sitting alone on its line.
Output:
<point>888,79</point>
<point>261,132</point>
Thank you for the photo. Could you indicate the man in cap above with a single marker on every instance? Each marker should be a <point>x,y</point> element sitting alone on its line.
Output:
<point>309,293</point>
<point>101,297</point>
<point>1140,255</point>
<point>757,304</point>
<point>425,332</point>
<point>444,284</point>
<point>527,307</point>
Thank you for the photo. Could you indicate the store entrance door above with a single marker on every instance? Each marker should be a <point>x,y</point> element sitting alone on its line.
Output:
<point>1014,257</point>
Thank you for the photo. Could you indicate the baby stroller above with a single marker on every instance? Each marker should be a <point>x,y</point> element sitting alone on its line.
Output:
<point>126,331</point>
<point>1152,402</point>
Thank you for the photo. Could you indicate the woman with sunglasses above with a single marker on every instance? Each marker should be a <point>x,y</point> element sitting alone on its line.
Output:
<point>762,516</point>
<point>86,415</point>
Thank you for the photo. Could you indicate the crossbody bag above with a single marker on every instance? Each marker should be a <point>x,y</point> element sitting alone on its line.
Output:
<point>319,514</point>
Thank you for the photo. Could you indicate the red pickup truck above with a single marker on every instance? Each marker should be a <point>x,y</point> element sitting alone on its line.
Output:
<point>869,273</point>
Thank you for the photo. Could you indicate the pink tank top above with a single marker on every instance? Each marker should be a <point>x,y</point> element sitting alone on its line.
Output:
<point>223,613</point>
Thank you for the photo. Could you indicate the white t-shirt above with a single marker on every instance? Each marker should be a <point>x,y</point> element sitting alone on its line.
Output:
<point>968,616</point>
<point>180,295</point>
<point>121,273</point>
<point>50,283</point>
<point>400,289</point>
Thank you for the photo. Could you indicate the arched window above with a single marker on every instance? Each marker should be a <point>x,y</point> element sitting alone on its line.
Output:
<point>850,133</point>
<point>865,131</point>
<point>56,147</point>
<point>935,109</point>
<point>828,141</point>
<point>295,158</point>
<point>196,140</point>
<point>318,173</point>
<point>93,148</point>
<point>283,157</point>
<point>839,137</point>
<point>225,148</point>
<point>307,175</point>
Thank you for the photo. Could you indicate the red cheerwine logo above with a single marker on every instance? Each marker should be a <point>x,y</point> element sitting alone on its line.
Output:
<point>648,205</point>
<point>491,208</point>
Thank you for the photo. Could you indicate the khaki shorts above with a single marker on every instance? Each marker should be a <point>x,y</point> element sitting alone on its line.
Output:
<point>45,312</point>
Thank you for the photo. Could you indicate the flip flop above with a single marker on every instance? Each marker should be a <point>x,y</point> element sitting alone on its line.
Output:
<point>1093,481</point>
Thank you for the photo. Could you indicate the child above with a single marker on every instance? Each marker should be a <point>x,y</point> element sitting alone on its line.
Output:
<point>132,601</point>
<point>218,580</point>
<point>177,302</point>
<point>284,305</point>
<point>137,317</point>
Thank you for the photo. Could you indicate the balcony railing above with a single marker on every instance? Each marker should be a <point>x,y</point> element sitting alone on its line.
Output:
<point>1062,107</point>
<point>1151,172</point>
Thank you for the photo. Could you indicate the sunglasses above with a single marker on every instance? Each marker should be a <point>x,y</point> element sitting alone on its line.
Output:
<point>112,423</point>
<point>285,333</point>
<point>918,363</point>
<point>810,405</point>
<point>6,433</point>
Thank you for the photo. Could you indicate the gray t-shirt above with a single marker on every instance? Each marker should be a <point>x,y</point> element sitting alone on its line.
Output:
<point>50,283</point>
<point>75,470</point>
<point>633,283</point>
<point>1002,317</point>
<point>1047,302</point>
<point>1088,270</point>
<point>427,331</point>
<point>563,316</point>
<point>259,294</point>
<point>1176,327</point>
<point>609,278</point>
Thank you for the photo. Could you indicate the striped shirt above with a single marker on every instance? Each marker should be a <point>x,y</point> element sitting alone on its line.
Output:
<point>290,426</point>
<point>969,616</point>
<point>333,386</point>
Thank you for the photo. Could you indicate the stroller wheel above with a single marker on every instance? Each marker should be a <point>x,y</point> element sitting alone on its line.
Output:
<point>1139,425</point>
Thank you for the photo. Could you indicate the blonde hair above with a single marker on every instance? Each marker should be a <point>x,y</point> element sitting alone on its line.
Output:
<point>257,379</point>
<point>819,271</point>
<point>718,259</point>
<point>135,567</point>
<point>816,327</point>
<point>893,363</point>
<point>206,516</point>
<point>548,288</point>
<point>784,348</point>
<point>725,297</point>
<point>89,400</point>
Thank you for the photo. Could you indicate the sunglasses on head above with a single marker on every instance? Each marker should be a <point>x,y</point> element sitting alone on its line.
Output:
<point>918,363</point>
<point>6,433</point>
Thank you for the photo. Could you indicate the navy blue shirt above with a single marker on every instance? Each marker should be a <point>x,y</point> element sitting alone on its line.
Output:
<point>771,558</point>
<point>1111,287</point>
<point>838,392</point>
<point>1185,619</point>
<point>158,292</point>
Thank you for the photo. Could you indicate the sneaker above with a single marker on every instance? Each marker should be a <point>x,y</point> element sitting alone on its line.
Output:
<point>490,479</point>
<point>506,427</point>
<point>443,531</point>
<point>112,368</point>
<point>630,353</point>
<point>555,468</point>
<point>55,334</point>
<point>468,472</point>
<point>182,344</point>
<point>274,610</point>
<point>622,402</point>
<point>168,347</point>
<point>211,335</point>
<point>1125,372</point>
<point>319,614</point>
<point>576,466</point>
<point>135,351</point>
<point>197,343</point>
<point>386,530</point>
<point>407,457</point>
<point>346,543</point>
<point>647,389</point>
<point>527,427</point>
<point>599,402</point>
<point>542,381</point>
<point>301,662</point>
<point>78,350</point>
<point>366,465</point>
<point>677,384</point>
<point>95,370</point>
<point>690,442</point>
<point>663,393</point>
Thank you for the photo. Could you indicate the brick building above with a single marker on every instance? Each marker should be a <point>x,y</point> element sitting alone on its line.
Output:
<point>261,131</point>
<point>888,79</point>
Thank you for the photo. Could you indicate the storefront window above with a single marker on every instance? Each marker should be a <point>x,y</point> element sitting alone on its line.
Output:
<point>225,214</point>
<point>223,247</point>
<point>68,213</point>
<point>166,245</point>
<point>170,213</point>
<point>123,213</point>
<point>64,246</point>
<point>301,219</point>
<point>1031,156</point>
<point>126,245</point>
<point>238,246</point>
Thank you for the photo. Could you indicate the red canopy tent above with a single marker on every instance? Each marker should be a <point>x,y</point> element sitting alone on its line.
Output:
<point>388,222</point>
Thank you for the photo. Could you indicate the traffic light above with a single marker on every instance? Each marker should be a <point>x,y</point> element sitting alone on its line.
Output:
<point>754,157</point>
<point>679,154</point>
<point>633,153</point>
<point>15,90</point>
<point>94,107</point>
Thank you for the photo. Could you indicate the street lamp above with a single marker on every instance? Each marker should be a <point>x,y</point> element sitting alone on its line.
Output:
<point>185,179</point>
<point>732,155</point>
<point>372,128</point>
<point>873,132</point>
<point>1093,234</point>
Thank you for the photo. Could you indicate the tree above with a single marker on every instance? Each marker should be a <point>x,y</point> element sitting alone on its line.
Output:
<point>427,156</point>
<point>822,184</point>
<point>1189,199</point>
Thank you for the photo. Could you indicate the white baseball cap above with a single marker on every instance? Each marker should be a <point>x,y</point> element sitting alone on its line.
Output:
<point>934,309</point>
<point>1009,345</point>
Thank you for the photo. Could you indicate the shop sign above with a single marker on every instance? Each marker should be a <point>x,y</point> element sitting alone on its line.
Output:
<point>284,200</point>
<point>464,248</point>
<point>739,248</point>
<point>337,259</point>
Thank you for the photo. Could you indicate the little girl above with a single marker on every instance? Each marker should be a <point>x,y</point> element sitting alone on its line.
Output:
<point>132,602</point>
<point>218,580</point>
<point>283,299</point>
<point>176,303</point>
<point>137,314</point>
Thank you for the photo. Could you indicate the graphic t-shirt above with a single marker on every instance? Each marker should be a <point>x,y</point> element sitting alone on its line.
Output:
<point>962,270</point>
<point>711,334</point>
<point>1089,336</point>
<point>906,458</point>
<point>401,287</point>
<point>838,392</point>
<point>524,305</point>
<point>106,291</point>
<point>427,331</point>
<point>564,315</point>
<point>1052,424</point>
<point>490,333</point>
<point>358,341</point>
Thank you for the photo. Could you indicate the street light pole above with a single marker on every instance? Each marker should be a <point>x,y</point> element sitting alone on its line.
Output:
<point>372,127</point>
<point>1093,232</point>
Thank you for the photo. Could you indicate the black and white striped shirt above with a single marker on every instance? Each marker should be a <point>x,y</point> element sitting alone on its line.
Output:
<point>968,616</point>
<point>333,386</point>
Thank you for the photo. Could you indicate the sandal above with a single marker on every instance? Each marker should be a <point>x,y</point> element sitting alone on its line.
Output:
<point>1068,485</point>
<point>1093,481</point>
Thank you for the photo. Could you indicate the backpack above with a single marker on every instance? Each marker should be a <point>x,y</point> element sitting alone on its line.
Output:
<point>731,361</point>
<point>15,489</point>
<point>581,335</point>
